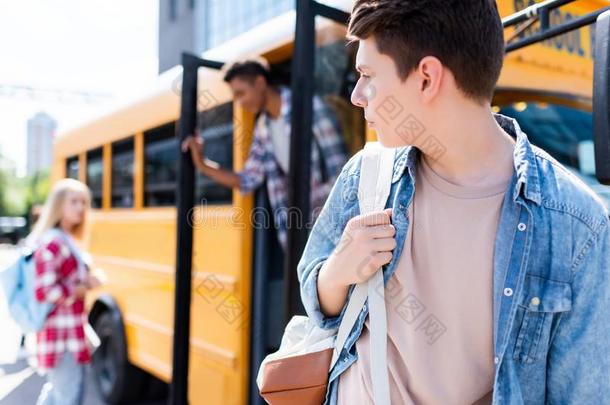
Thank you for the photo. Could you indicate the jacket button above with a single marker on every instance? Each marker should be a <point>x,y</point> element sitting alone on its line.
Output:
<point>521,227</point>
<point>496,360</point>
<point>508,292</point>
<point>535,301</point>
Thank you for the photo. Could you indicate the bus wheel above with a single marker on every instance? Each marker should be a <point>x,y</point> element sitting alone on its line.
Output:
<point>117,380</point>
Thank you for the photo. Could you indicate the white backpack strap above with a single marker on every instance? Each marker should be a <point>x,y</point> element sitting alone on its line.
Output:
<point>373,191</point>
<point>354,306</point>
<point>384,160</point>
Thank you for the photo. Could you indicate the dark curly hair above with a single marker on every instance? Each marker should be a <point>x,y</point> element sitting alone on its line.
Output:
<point>247,70</point>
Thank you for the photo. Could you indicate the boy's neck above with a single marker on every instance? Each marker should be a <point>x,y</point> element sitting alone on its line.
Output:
<point>475,150</point>
<point>273,102</point>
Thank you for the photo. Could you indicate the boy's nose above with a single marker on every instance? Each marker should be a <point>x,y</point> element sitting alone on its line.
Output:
<point>357,98</point>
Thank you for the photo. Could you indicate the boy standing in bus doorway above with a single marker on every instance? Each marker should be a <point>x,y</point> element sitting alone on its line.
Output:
<point>269,157</point>
<point>496,258</point>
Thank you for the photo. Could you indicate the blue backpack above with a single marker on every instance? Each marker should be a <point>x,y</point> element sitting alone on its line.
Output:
<point>17,281</point>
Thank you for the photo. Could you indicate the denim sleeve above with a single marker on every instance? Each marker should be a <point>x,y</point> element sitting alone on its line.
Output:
<point>341,205</point>
<point>579,360</point>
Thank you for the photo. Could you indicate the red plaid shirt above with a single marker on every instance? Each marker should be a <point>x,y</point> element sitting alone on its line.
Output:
<point>56,278</point>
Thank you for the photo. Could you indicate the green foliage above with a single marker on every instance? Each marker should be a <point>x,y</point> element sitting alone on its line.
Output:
<point>18,195</point>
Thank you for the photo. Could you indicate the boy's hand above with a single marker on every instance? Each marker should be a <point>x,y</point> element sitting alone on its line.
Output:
<point>366,245</point>
<point>195,144</point>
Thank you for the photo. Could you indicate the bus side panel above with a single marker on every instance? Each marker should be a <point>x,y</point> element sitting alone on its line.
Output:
<point>137,251</point>
<point>220,312</point>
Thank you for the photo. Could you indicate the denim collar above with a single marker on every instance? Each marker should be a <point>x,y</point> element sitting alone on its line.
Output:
<point>524,158</point>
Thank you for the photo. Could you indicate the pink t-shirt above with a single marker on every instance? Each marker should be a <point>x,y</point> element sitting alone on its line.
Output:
<point>439,300</point>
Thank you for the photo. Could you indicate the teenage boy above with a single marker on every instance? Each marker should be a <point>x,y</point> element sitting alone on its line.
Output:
<point>496,259</point>
<point>269,157</point>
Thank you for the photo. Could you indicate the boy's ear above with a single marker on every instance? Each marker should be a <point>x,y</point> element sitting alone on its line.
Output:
<point>260,82</point>
<point>430,71</point>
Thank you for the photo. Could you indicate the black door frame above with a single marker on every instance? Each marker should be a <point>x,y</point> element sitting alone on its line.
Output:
<point>185,197</point>
<point>303,85</point>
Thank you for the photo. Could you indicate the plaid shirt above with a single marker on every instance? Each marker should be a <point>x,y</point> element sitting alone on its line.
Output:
<point>56,279</point>
<point>262,164</point>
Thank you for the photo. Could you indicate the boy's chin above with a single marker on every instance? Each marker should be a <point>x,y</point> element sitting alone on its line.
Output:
<point>389,142</point>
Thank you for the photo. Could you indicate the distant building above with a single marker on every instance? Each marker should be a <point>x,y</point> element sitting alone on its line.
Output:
<point>41,130</point>
<point>197,25</point>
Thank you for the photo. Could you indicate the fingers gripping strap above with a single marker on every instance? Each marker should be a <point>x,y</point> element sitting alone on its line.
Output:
<point>372,162</point>
<point>373,191</point>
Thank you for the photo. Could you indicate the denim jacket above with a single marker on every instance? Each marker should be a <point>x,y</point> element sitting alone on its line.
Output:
<point>551,283</point>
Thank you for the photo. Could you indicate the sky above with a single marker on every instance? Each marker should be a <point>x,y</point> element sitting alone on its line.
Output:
<point>64,49</point>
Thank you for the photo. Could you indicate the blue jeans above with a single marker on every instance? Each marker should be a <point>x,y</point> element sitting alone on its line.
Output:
<point>65,383</point>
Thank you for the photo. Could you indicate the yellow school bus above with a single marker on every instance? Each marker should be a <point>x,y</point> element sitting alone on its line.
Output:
<point>128,158</point>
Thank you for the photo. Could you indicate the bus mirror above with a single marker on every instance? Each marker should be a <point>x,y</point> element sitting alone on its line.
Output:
<point>601,104</point>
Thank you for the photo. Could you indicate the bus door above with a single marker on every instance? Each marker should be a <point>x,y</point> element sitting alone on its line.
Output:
<point>594,160</point>
<point>322,67</point>
<point>185,197</point>
<point>312,72</point>
<point>601,104</point>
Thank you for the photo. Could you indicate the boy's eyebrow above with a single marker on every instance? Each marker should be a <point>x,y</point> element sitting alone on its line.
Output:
<point>361,67</point>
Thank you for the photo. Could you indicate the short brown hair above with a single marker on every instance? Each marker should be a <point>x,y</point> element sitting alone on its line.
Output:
<point>465,35</point>
<point>248,69</point>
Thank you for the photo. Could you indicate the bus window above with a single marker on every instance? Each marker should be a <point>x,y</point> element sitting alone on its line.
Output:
<point>72,167</point>
<point>160,159</point>
<point>95,168</point>
<point>122,173</point>
<point>216,128</point>
<point>564,132</point>
<point>335,78</point>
